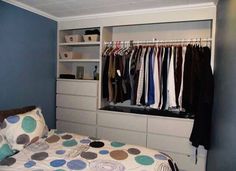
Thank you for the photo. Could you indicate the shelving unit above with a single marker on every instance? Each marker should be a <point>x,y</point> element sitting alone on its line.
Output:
<point>77,99</point>
<point>87,54</point>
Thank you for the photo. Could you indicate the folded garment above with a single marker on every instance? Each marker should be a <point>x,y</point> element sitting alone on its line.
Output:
<point>95,31</point>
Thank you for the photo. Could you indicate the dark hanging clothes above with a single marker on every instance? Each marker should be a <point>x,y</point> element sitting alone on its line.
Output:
<point>118,90</point>
<point>136,75</point>
<point>125,76</point>
<point>159,57</point>
<point>151,87</point>
<point>187,79</point>
<point>105,92</point>
<point>178,60</point>
<point>164,73</point>
<point>202,123</point>
<point>142,101</point>
<point>132,75</point>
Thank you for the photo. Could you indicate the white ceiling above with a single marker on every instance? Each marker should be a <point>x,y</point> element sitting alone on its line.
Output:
<point>68,8</point>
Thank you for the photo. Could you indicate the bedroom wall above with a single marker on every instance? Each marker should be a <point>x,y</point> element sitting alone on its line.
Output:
<point>27,60</point>
<point>222,155</point>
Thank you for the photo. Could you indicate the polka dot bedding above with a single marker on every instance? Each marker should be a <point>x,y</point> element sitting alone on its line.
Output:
<point>66,151</point>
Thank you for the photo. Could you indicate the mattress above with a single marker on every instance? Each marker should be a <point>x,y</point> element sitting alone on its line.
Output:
<point>66,151</point>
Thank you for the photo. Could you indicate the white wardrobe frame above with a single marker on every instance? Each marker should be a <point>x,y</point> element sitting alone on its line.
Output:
<point>185,13</point>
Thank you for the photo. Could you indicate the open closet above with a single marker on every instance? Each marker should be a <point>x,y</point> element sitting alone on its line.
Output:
<point>84,105</point>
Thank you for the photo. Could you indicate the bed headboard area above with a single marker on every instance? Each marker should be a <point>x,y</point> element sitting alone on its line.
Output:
<point>5,113</point>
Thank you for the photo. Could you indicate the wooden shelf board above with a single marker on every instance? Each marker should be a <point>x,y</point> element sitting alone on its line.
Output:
<point>80,44</point>
<point>79,60</point>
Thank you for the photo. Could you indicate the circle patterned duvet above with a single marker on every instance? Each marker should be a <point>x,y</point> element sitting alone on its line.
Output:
<point>67,151</point>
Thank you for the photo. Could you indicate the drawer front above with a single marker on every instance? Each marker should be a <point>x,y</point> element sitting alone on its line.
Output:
<point>81,129</point>
<point>173,144</point>
<point>77,102</point>
<point>77,88</point>
<point>129,137</point>
<point>80,116</point>
<point>187,163</point>
<point>169,126</point>
<point>116,120</point>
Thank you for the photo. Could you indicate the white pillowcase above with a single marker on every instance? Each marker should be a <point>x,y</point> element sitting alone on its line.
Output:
<point>24,129</point>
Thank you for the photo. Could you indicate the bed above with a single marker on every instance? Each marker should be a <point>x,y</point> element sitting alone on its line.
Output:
<point>60,151</point>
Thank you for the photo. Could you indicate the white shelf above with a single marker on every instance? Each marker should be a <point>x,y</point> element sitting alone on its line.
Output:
<point>77,80</point>
<point>80,44</point>
<point>79,60</point>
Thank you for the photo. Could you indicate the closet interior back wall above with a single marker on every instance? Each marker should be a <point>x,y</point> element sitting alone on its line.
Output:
<point>163,31</point>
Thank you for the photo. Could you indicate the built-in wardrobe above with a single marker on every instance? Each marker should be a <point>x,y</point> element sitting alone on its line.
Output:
<point>81,107</point>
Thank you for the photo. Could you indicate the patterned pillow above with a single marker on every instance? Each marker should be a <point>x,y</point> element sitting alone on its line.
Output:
<point>5,149</point>
<point>24,129</point>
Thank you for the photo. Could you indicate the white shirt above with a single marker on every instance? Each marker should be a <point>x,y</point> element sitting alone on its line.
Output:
<point>182,78</point>
<point>156,79</point>
<point>171,96</point>
<point>147,75</point>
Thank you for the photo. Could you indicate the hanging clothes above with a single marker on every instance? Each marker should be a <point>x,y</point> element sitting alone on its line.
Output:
<point>156,75</point>
<point>141,77</point>
<point>202,122</point>
<point>187,80</point>
<point>132,73</point>
<point>161,77</point>
<point>180,99</point>
<point>151,85</point>
<point>178,72</point>
<point>165,67</point>
<point>171,81</point>
<point>105,92</point>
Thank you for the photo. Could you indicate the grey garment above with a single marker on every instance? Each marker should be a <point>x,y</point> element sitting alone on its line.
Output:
<point>132,67</point>
<point>141,77</point>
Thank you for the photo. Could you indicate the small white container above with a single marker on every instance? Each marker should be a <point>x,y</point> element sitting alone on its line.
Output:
<point>73,38</point>
<point>91,38</point>
<point>69,55</point>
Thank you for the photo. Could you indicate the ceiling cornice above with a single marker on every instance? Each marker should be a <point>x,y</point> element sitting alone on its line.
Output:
<point>31,9</point>
<point>110,14</point>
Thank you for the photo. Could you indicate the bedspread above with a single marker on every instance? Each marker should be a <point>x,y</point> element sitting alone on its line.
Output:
<point>67,151</point>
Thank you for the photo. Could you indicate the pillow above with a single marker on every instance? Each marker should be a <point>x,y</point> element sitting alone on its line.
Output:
<point>5,149</point>
<point>24,129</point>
<point>5,113</point>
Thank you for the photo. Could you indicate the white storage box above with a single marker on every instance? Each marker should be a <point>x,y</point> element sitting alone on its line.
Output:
<point>69,55</point>
<point>73,38</point>
<point>91,38</point>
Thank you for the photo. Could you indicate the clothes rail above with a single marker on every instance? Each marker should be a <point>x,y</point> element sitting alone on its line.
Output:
<point>160,41</point>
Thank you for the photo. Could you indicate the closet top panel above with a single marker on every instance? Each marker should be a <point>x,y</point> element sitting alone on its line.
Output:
<point>174,14</point>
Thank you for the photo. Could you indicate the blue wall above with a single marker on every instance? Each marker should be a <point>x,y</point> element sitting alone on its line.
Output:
<point>27,60</point>
<point>222,155</point>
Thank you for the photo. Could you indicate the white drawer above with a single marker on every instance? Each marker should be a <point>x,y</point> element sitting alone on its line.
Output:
<point>187,163</point>
<point>173,144</point>
<point>129,137</point>
<point>77,102</point>
<point>85,88</point>
<point>80,116</point>
<point>81,129</point>
<point>122,121</point>
<point>170,126</point>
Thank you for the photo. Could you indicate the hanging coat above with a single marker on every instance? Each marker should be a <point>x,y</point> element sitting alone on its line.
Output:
<point>202,122</point>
